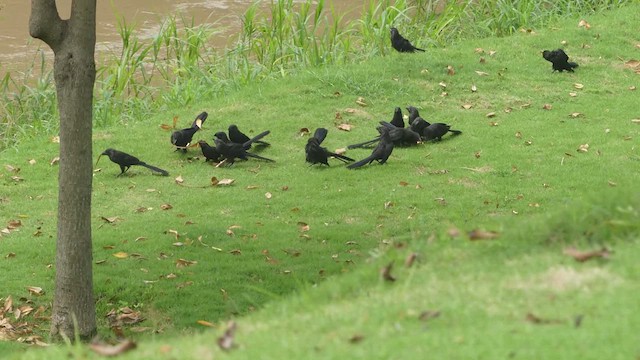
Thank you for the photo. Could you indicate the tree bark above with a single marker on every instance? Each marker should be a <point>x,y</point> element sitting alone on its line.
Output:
<point>73,43</point>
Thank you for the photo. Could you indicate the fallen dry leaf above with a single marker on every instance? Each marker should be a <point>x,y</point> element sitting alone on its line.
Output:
<point>35,290</point>
<point>582,256</point>
<point>268,195</point>
<point>450,70</point>
<point>583,148</point>
<point>576,114</point>
<point>583,23</point>
<point>428,315</point>
<point>121,255</point>
<point>54,161</point>
<point>474,88</point>
<point>385,273</point>
<point>184,263</point>
<point>166,206</point>
<point>179,180</point>
<point>205,323</point>
<point>491,114</point>
<point>481,73</point>
<point>360,101</point>
<point>112,350</point>
<point>411,258</point>
<point>442,84</point>
<point>356,338</point>
<point>540,321</point>
<point>547,106</point>
<point>478,234</point>
<point>110,220</point>
<point>578,86</point>
<point>467,106</point>
<point>302,226</point>
<point>226,341</point>
<point>345,127</point>
<point>32,162</point>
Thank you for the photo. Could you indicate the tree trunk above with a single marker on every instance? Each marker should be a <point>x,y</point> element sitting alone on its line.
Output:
<point>73,43</point>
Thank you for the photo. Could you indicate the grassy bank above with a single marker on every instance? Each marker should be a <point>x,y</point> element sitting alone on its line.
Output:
<point>180,65</point>
<point>300,269</point>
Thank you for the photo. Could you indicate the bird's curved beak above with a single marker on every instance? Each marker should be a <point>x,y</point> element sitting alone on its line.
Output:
<point>99,156</point>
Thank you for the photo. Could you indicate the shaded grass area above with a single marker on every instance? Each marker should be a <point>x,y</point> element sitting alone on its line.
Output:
<point>518,174</point>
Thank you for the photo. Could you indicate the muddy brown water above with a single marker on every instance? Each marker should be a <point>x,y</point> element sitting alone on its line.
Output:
<point>18,49</point>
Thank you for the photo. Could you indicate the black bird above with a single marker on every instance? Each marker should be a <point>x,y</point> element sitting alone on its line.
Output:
<point>400,43</point>
<point>416,123</point>
<point>436,131</point>
<point>126,161</point>
<point>397,119</point>
<point>231,151</point>
<point>559,59</point>
<point>199,120</point>
<point>209,152</point>
<point>237,136</point>
<point>381,153</point>
<point>399,136</point>
<point>317,154</point>
<point>181,139</point>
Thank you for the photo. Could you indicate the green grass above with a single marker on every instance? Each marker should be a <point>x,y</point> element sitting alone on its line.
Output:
<point>536,190</point>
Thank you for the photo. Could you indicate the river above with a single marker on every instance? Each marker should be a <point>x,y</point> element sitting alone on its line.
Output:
<point>17,48</point>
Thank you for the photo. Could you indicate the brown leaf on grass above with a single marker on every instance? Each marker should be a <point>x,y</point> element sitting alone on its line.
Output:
<point>478,234</point>
<point>11,168</point>
<point>14,224</point>
<point>304,131</point>
<point>165,127</point>
<point>632,88</point>
<point>8,305</point>
<point>356,338</point>
<point>583,148</point>
<point>540,321</point>
<point>121,255</point>
<point>10,255</point>
<point>428,315</point>
<point>474,88</point>
<point>221,182</point>
<point>179,180</point>
<point>467,106</point>
<point>345,127</point>
<point>578,86</point>
<point>360,101</point>
<point>482,73</point>
<point>226,342</point>
<point>482,60</point>
<point>450,70</point>
<point>493,123</point>
<point>547,106</point>
<point>635,121</point>
<point>173,232</point>
<point>268,195</point>
<point>491,114</point>
<point>385,273</point>
<point>442,84</point>
<point>55,139</point>
<point>573,94</point>
<point>180,263</point>
<point>166,206</point>
<point>411,258</point>
<point>17,178</point>
<point>576,114</point>
<point>205,323</point>
<point>303,227</point>
<point>110,220</point>
<point>35,290</point>
<point>583,23</point>
<point>112,350</point>
<point>54,161</point>
<point>582,256</point>
<point>235,252</point>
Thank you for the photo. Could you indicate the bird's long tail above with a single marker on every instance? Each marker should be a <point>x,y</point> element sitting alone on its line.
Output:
<point>342,158</point>
<point>455,132</point>
<point>259,157</point>
<point>362,162</point>
<point>256,138</point>
<point>364,144</point>
<point>419,49</point>
<point>573,65</point>
<point>156,169</point>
